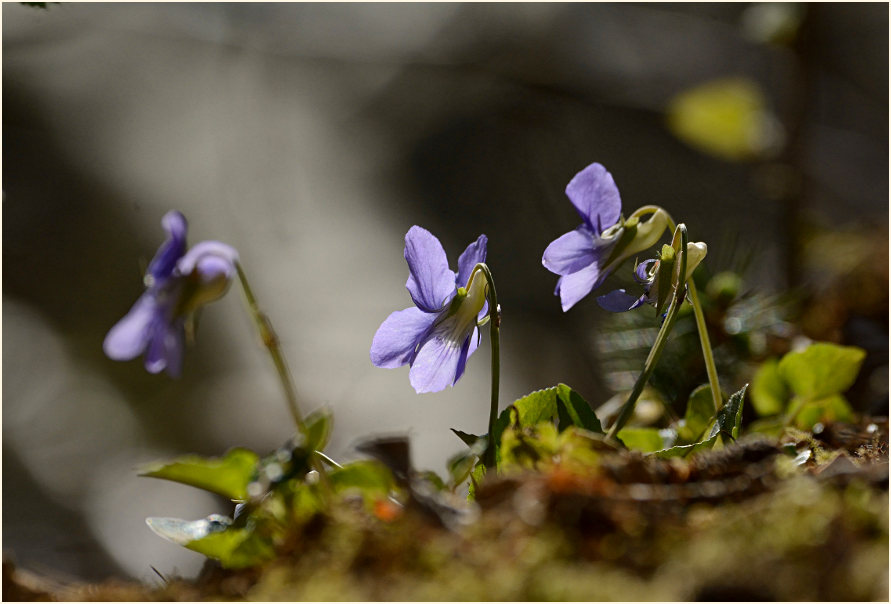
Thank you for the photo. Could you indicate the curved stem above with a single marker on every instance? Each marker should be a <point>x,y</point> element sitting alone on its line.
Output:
<point>271,342</point>
<point>494,332</point>
<point>661,339</point>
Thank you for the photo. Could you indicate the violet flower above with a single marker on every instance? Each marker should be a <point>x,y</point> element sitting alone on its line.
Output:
<point>586,256</point>
<point>647,274</point>
<point>178,282</point>
<point>436,336</point>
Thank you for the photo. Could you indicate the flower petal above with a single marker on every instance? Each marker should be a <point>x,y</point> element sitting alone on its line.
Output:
<point>397,338</point>
<point>570,252</point>
<point>129,337</point>
<point>575,286</point>
<point>595,196</point>
<point>620,301</point>
<point>431,282</point>
<point>171,250</point>
<point>165,349</point>
<point>436,364</point>
<point>469,258</point>
<point>470,346</point>
<point>212,259</point>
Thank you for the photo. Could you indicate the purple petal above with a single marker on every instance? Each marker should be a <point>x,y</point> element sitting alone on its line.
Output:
<point>129,337</point>
<point>642,272</point>
<point>211,259</point>
<point>431,282</point>
<point>436,364</point>
<point>570,252</point>
<point>165,350</point>
<point>470,346</point>
<point>620,301</point>
<point>595,196</point>
<point>171,250</point>
<point>575,286</point>
<point>473,255</point>
<point>397,338</point>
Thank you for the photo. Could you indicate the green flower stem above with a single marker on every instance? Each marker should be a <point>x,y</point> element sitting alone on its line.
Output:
<point>271,342</point>
<point>661,338</point>
<point>707,354</point>
<point>494,332</point>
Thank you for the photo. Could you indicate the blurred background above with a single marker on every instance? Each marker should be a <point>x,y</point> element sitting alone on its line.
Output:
<point>312,136</point>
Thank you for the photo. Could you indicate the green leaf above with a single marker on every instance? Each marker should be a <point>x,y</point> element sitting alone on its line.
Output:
<point>769,392</point>
<point>822,369</point>
<point>369,477</point>
<point>526,411</point>
<point>215,537</point>
<point>467,439</point>
<point>228,476</point>
<point>684,450</point>
<point>647,440</point>
<point>700,409</point>
<point>573,410</point>
<point>729,417</point>
<point>555,403</point>
<point>830,409</point>
<point>318,429</point>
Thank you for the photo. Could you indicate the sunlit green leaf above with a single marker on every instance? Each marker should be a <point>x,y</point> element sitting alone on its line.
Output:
<point>822,369</point>
<point>228,476</point>
<point>769,392</point>
<point>641,439</point>
<point>700,409</point>
<point>833,408</point>
<point>573,410</point>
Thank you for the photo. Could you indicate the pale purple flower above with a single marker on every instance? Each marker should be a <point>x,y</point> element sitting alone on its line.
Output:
<point>177,282</point>
<point>586,256</point>
<point>439,333</point>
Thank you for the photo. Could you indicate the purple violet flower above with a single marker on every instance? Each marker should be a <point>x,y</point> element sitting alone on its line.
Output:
<point>178,282</point>
<point>586,256</point>
<point>438,334</point>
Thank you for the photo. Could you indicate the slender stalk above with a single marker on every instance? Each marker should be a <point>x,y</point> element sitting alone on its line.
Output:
<point>702,328</point>
<point>271,342</point>
<point>494,333</point>
<point>661,338</point>
<point>707,354</point>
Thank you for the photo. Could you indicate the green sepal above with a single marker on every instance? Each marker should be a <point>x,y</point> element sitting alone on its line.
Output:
<point>228,475</point>
<point>665,277</point>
